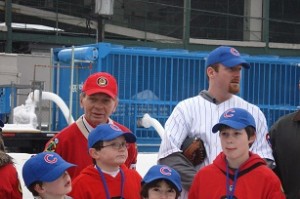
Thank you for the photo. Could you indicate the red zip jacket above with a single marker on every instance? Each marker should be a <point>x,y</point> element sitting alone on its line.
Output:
<point>255,180</point>
<point>10,187</point>
<point>71,144</point>
<point>88,184</point>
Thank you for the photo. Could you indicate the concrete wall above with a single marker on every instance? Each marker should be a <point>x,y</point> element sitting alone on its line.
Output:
<point>23,70</point>
<point>8,69</point>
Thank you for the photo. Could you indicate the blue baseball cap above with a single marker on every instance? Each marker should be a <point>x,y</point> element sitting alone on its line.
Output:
<point>107,132</point>
<point>1,123</point>
<point>236,118</point>
<point>227,56</point>
<point>44,167</point>
<point>158,172</point>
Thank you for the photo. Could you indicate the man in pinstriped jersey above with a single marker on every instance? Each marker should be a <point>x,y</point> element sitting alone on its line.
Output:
<point>195,116</point>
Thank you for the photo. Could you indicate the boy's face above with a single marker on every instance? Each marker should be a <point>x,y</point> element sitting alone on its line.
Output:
<point>113,154</point>
<point>162,190</point>
<point>59,187</point>
<point>235,145</point>
<point>98,107</point>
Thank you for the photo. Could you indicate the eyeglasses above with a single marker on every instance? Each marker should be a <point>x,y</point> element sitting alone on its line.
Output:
<point>117,145</point>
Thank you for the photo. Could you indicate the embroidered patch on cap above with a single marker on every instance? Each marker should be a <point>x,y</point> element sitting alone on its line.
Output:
<point>114,127</point>
<point>50,159</point>
<point>234,52</point>
<point>229,113</point>
<point>102,81</point>
<point>165,171</point>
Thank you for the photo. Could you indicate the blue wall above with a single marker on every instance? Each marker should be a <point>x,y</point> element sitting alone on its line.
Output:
<point>153,81</point>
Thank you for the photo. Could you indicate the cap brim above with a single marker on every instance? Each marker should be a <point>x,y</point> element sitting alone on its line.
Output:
<point>56,172</point>
<point>129,137</point>
<point>235,62</point>
<point>95,91</point>
<point>230,123</point>
<point>160,177</point>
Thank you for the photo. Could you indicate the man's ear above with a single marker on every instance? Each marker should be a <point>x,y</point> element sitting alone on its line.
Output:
<point>116,104</point>
<point>210,72</point>
<point>80,100</point>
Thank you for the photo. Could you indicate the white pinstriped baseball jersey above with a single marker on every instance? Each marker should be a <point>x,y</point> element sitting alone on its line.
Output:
<point>196,116</point>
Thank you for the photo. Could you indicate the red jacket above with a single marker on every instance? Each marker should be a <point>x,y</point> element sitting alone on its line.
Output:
<point>10,187</point>
<point>88,184</point>
<point>252,182</point>
<point>71,144</point>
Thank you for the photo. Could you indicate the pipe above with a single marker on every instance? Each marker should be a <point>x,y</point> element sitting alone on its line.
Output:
<point>147,121</point>
<point>82,53</point>
<point>54,98</point>
<point>71,85</point>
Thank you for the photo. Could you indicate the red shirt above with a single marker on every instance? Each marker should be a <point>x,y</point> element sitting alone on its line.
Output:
<point>88,184</point>
<point>253,181</point>
<point>71,144</point>
<point>10,187</point>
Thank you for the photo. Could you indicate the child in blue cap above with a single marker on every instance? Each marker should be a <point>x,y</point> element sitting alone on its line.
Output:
<point>236,172</point>
<point>161,181</point>
<point>108,177</point>
<point>46,176</point>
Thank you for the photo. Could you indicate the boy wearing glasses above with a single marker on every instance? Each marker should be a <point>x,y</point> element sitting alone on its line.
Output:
<point>108,178</point>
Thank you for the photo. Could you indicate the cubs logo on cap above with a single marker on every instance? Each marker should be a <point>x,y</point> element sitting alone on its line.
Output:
<point>101,82</point>
<point>164,172</point>
<point>236,118</point>
<point>44,167</point>
<point>227,56</point>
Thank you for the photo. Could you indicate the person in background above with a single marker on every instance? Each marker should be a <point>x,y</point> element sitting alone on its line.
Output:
<point>45,175</point>
<point>108,178</point>
<point>10,186</point>
<point>285,140</point>
<point>193,118</point>
<point>161,181</point>
<point>236,172</point>
<point>99,100</point>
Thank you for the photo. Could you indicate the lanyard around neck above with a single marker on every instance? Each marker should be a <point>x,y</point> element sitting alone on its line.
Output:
<point>230,189</point>
<point>105,185</point>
